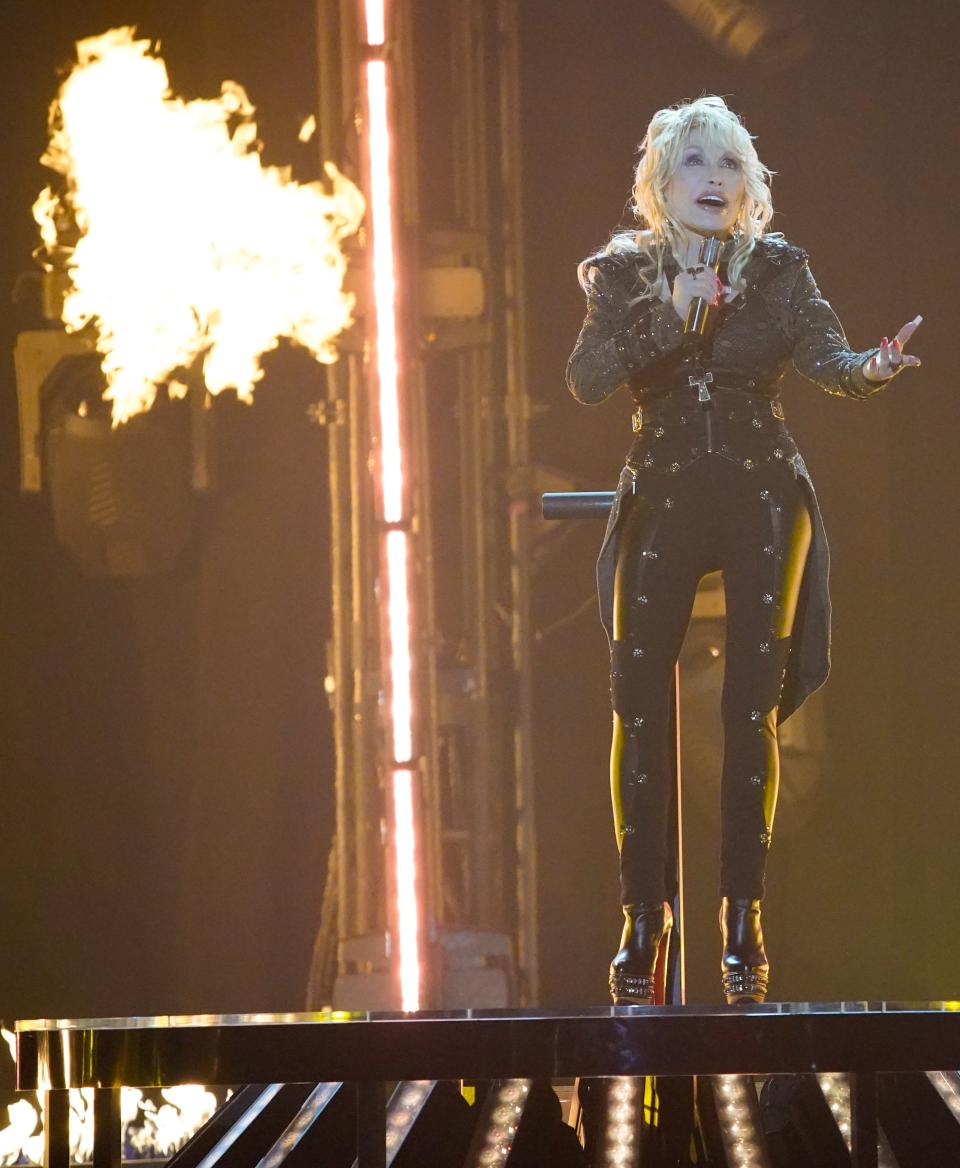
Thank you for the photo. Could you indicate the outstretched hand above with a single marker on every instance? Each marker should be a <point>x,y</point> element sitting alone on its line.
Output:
<point>891,358</point>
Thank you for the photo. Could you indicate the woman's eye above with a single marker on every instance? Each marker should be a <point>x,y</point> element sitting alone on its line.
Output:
<point>731,162</point>
<point>694,160</point>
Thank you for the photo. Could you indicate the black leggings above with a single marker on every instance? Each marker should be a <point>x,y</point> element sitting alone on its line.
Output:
<point>753,526</point>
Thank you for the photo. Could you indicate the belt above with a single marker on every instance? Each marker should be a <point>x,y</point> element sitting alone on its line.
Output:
<point>641,415</point>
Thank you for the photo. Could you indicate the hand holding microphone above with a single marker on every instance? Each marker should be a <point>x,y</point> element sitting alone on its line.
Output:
<point>696,289</point>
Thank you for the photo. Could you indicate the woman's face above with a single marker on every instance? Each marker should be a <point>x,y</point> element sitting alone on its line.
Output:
<point>706,191</point>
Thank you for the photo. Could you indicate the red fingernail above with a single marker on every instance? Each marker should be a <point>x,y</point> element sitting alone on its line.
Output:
<point>884,341</point>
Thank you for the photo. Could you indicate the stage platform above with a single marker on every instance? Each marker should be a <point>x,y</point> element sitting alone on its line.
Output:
<point>366,1052</point>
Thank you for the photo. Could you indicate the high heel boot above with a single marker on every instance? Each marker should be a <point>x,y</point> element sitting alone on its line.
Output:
<point>633,972</point>
<point>744,966</point>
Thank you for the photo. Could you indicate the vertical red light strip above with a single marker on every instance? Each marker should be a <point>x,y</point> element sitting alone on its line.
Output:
<point>395,557</point>
<point>401,666</point>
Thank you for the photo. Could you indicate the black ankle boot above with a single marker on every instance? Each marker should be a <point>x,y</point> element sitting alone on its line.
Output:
<point>744,965</point>
<point>633,970</point>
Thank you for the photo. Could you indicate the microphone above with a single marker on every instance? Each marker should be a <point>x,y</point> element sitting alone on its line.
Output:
<point>699,309</point>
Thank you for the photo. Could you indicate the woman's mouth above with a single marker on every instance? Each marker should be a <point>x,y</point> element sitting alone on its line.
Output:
<point>712,202</point>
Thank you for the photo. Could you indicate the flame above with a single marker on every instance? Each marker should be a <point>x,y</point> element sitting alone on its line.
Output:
<point>147,1129</point>
<point>168,1127</point>
<point>189,247</point>
<point>19,1137</point>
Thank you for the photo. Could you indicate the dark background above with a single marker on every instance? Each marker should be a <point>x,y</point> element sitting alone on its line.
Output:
<point>165,749</point>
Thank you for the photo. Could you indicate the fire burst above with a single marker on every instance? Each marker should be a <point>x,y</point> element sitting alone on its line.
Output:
<point>189,247</point>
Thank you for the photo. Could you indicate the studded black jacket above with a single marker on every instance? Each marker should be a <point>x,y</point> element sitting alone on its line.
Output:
<point>721,397</point>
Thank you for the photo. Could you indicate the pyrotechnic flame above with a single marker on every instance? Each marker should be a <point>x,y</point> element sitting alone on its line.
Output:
<point>148,1129</point>
<point>20,1137</point>
<point>188,245</point>
<point>166,1128</point>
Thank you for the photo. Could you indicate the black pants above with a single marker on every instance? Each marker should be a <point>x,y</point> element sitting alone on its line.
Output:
<point>754,527</point>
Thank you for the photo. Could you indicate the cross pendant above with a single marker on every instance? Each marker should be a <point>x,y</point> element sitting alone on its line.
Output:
<point>700,385</point>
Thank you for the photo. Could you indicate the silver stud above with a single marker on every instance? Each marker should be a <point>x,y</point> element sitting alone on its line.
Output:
<point>748,464</point>
<point>638,652</point>
<point>757,780</point>
<point>768,549</point>
<point>768,598</point>
<point>756,715</point>
<point>764,646</point>
<point>659,431</point>
<point>778,453</point>
<point>641,599</point>
<point>648,555</point>
<point>648,460</point>
<point>765,838</point>
<point>757,424</point>
<point>639,779</point>
<point>674,467</point>
<point>637,722</point>
<point>764,494</point>
<point>668,503</point>
<point>627,829</point>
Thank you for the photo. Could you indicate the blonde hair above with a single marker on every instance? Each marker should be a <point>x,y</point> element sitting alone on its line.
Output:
<point>661,152</point>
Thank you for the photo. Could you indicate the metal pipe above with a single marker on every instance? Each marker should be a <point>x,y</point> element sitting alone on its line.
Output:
<point>577,504</point>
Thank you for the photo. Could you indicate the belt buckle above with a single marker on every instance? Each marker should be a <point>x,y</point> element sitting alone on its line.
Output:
<point>636,421</point>
<point>777,410</point>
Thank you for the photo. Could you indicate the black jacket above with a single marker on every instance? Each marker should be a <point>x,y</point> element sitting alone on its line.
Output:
<point>720,398</point>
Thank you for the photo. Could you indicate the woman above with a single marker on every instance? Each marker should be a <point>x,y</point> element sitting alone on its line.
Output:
<point>713,481</point>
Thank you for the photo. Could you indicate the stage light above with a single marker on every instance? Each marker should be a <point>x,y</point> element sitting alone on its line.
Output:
<point>621,1144</point>
<point>771,34</point>
<point>395,552</point>
<point>619,1118</point>
<point>376,23</point>
<point>123,501</point>
<point>406,875</point>
<point>738,1119</point>
<point>404,1107</point>
<point>400,662</point>
<point>428,1122</point>
<point>521,1124</point>
<point>920,1116</point>
<point>798,1124</point>
<point>947,1085</point>
<point>836,1091</point>
<point>498,1124</point>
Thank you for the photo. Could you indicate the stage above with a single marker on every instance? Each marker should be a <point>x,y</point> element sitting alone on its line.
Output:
<point>367,1051</point>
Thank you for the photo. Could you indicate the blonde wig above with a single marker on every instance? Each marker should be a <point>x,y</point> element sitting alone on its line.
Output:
<point>661,153</point>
